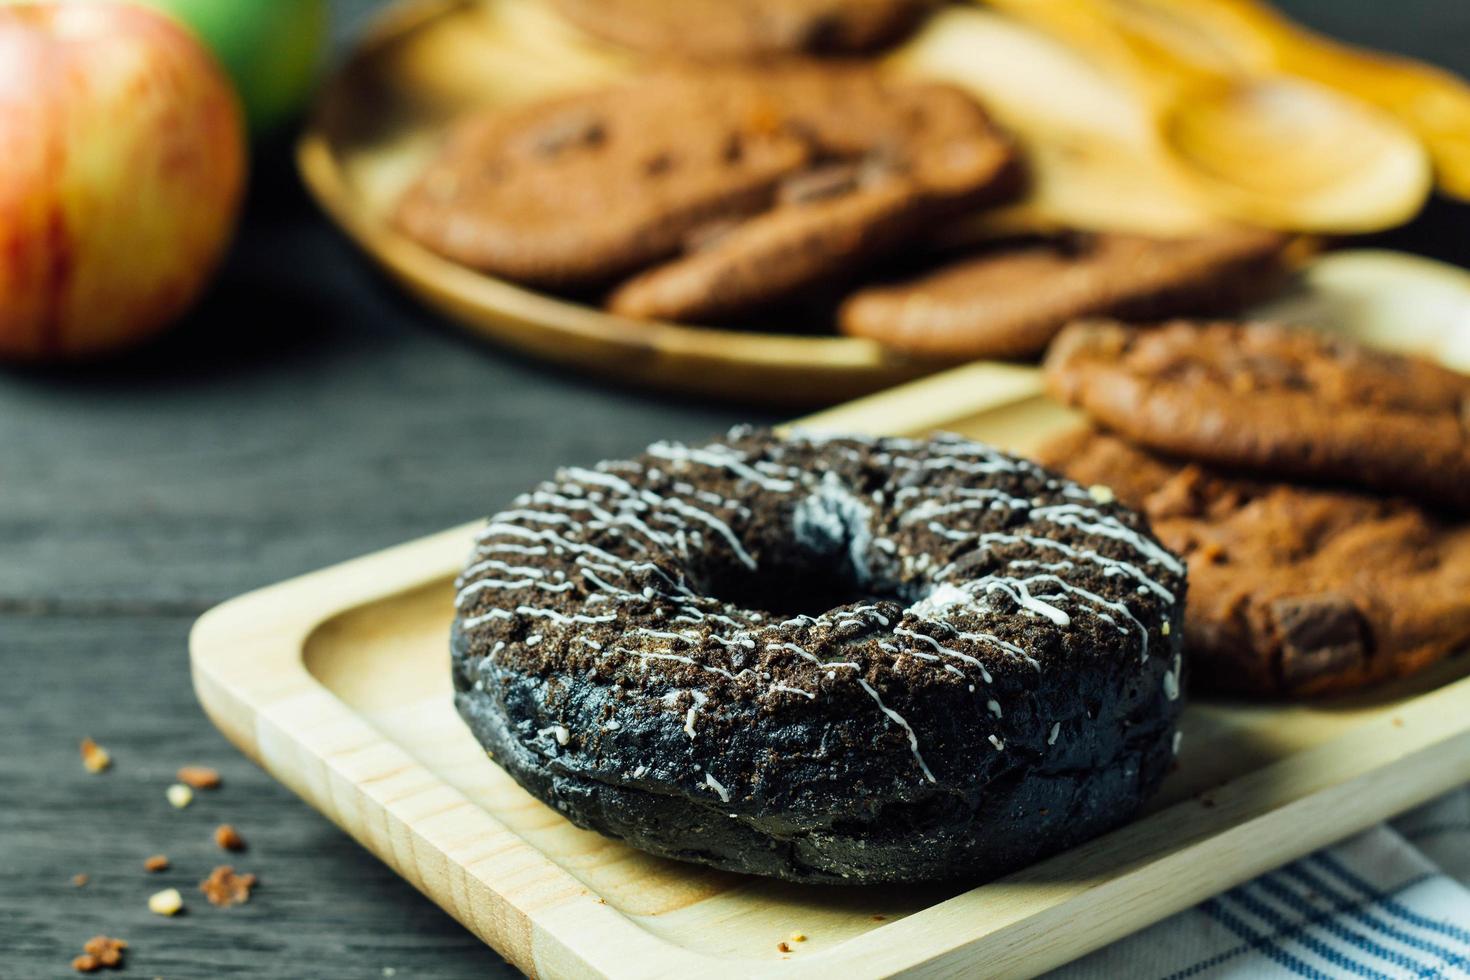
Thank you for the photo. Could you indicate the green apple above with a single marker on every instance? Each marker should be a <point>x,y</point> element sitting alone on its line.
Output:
<point>272,49</point>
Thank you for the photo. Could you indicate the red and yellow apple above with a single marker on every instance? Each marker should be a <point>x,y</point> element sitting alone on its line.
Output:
<point>122,160</point>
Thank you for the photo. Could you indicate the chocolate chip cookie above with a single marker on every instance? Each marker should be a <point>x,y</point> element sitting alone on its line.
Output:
<point>591,186</point>
<point>744,28</point>
<point>1293,590</point>
<point>1284,402</point>
<point>600,186</point>
<point>1010,301</point>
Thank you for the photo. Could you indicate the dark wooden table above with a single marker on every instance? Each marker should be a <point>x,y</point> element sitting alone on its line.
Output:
<point>306,413</point>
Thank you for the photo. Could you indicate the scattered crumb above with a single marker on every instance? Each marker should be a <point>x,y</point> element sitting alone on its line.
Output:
<point>199,777</point>
<point>229,838</point>
<point>783,947</point>
<point>224,888</point>
<point>179,795</point>
<point>80,879</point>
<point>798,937</point>
<point>94,757</point>
<point>389,971</point>
<point>99,952</point>
<point>156,863</point>
<point>166,902</point>
<point>1398,723</point>
<point>880,918</point>
<point>1102,494</point>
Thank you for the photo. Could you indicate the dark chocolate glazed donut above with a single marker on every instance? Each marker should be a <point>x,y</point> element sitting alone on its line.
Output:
<point>825,658</point>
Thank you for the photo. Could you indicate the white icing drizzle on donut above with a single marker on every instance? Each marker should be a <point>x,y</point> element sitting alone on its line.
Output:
<point>719,457</point>
<point>659,531</point>
<point>1171,679</point>
<point>718,787</point>
<point>898,719</point>
<point>700,698</point>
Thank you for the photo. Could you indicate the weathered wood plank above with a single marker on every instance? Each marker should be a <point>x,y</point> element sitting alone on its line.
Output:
<point>324,908</point>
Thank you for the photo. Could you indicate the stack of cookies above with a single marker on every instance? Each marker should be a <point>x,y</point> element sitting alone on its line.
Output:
<point>1317,489</point>
<point>758,164</point>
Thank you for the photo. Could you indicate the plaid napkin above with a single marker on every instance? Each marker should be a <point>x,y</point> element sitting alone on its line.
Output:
<point>1392,902</point>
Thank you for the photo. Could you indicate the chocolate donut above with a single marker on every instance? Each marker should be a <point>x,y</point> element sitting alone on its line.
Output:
<point>825,658</point>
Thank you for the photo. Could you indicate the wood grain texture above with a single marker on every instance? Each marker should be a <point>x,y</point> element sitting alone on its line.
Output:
<point>123,679</point>
<point>308,412</point>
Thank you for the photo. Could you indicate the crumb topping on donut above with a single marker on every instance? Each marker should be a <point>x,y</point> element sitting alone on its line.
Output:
<point>863,578</point>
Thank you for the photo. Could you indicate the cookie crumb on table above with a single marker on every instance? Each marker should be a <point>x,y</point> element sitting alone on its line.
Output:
<point>228,838</point>
<point>224,887</point>
<point>179,795</point>
<point>199,777</point>
<point>99,952</point>
<point>94,757</point>
<point>80,879</point>
<point>783,947</point>
<point>155,863</point>
<point>166,902</point>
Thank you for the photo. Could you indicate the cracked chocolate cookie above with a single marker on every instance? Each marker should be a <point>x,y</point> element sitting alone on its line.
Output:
<point>1278,401</point>
<point>1292,590</point>
<point>718,176</point>
<point>1010,301</point>
<point>825,658</point>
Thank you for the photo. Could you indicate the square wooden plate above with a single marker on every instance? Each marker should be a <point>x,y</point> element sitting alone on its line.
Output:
<point>338,684</point>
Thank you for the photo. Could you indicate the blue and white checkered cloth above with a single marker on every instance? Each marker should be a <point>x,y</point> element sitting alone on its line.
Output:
<point>1392,902</point>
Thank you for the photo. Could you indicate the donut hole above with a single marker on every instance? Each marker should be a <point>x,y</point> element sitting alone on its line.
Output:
<point>795,588</point>
<point>825,560</point>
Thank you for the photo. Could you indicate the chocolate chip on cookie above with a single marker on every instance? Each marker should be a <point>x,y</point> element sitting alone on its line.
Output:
<point>744,28</point>
<point>1321,636</point>
<point>1009,302</point>
<point>1292,590</point>
<point>1285,402</point>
